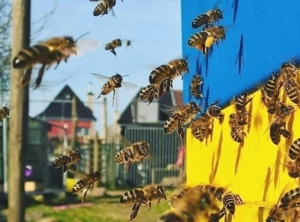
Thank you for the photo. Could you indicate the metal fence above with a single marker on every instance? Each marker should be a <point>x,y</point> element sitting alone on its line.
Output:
<point>160,167</point>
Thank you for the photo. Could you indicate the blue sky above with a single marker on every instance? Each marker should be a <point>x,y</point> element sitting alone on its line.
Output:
<point>153,26</point>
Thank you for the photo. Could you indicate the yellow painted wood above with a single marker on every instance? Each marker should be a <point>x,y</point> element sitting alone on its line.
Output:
<point>254,170</point>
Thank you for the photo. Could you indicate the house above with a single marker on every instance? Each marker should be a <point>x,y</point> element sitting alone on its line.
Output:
<point>140,121</point>
<point>59,113</point>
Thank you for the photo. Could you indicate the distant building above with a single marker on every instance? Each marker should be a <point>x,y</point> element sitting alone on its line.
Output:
<point>59,113</point>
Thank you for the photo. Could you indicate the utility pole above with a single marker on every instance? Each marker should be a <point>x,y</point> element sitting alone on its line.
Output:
<point>96,153</point>
<point>74,124</point>
<point>18,124</point>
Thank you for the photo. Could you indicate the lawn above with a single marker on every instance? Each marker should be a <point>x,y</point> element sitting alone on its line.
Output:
<point>100,209</point>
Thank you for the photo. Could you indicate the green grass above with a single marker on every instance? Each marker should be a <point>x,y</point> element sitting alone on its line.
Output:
<point>103,209</point>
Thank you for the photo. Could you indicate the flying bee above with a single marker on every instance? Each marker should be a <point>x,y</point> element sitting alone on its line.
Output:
<point>215,111</point>
<point>196,205</point>
<point>152,91</point>
<point>143,196</point>
<point>46,53</point>
<point>181,116</point>
<point>104,7</point>
<point>112,45</point>
<point>207,19</point>
<point>4,112</point>
<point>70,159</point>
<point>87,181</point>
<point>195,86</point>
<point>133,152</point>
<point>113,82</point>
<point>202,127</point>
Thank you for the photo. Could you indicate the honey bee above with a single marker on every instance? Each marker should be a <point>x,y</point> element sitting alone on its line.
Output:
<point>43,53</point>
<point>172,69</point>
<point>103,7</point>
<point>70,159</point>
<point>202,127</point>
<point>195,86</point>
<point>278,125</point>
<point>207,19</point>
<point>152,91</point>
<point>241,102</point>
<point>112,83</point>
<point>288,80</point>
<point>215,111</point>
<point>181,116</point>
<point>111,46</point>
<point>237,128</point>
<point>143,196</point>
<point>134,152</point>
<point>272,103</point>
<point>293,166</point>
<point>4,112</point>
<point>280,212</point>
<point>195,205</point>
<point>198,40</point>
<point>87,181</point>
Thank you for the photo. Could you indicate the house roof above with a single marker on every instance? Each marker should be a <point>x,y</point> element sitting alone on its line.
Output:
<point>174,98</point>
<point>61,109</point>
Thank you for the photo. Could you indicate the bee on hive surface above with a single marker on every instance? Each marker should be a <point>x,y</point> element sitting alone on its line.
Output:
<point>293,165</point>
<point>113,82</point>
<point>270,94</point>
<point>87,181</point>
<point>4,112</point>
<point>207,19</point>
<point>278,125</point>
<point>215,111</point>
<point>196,82</point>
<point>288,80</point>
<point>69,159</point>
<point>103,7</point>
<point>181,116</point>
<point>236,128</point>
<point>201,127</point>
<point>143,196</point>
<point>133,152</point>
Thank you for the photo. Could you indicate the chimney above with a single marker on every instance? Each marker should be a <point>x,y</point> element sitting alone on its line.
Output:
<point>90,97</point>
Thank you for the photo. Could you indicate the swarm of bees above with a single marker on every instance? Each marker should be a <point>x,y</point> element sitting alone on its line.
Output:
<point>143,196</point>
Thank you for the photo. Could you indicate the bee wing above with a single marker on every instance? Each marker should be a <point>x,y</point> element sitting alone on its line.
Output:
<point>86,45</point>
<point>101,77</point>
<point>171,109</point>
<point>129,85</point>
<point>119,139</point>
<point>77,174</point>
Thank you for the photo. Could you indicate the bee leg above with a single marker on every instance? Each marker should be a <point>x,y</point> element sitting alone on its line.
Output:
<point>26,77</point>
<point>134,211</point>
<point>113,97</point>
<point>64,169</point>
<point>180,132</point>
<point>127,166</point>
<point>84,195</point>
<point>40,76</point>
<point>113,52</point>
